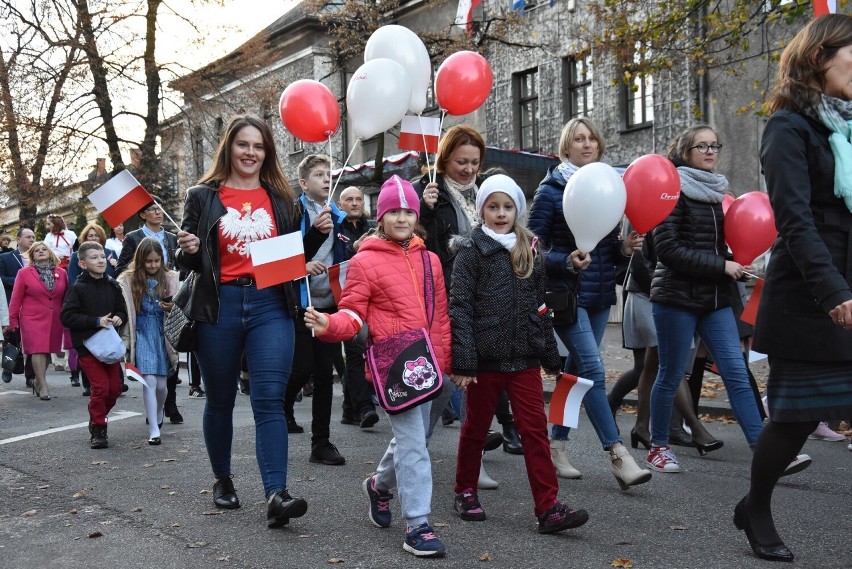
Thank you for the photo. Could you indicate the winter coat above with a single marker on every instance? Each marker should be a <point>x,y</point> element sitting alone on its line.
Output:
<point>499,321</point>
<point>87,300</point>
<point>128,331</point>
<point>131,242</point>
<point>384,289</point>
<point>4,308</point>
<point>36,311</point>
<point>353,232</point>
<point>10,264</point>
<point>595,285</point>
<point>810,269</point>
<point>691,255</point>
<point>74,269</point>
<point>338,247</point>
<point>201,213</point>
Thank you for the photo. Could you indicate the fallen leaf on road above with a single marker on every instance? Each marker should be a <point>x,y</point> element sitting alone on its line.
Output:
<point>29,513</point>
<point>106,523</point>
<point>43,486</point>
<point>79,494</point>
<point>223,558</point>
<point>168,459</point>
<point>72,511</point>
<point>20,488</point>
<point>196,544</point>
<point>136,509</point>
<point>95,534</point>
<point>165,487</point>
<point>212,513</point>
<point>485,557</point>
<point>335,560</point>
<point>99,462</point>
<point>306,535</point>
<point>205,492</point>
<point>172,493</point>
<point>439,461</point>
<point>678,528</point>
<point>175,525</point>
<point>441,525</point>
<point>624,563</point>
<point>147,465</point>
<point>623,543</point>
<point>369,462</point>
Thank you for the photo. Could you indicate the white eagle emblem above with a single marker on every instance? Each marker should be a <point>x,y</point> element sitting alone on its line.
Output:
<point>244,227</point>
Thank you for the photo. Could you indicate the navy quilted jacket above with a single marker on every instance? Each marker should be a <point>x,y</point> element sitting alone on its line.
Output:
<point>546,220</point>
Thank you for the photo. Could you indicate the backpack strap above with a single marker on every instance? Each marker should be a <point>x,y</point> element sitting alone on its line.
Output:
<point>428,286</point>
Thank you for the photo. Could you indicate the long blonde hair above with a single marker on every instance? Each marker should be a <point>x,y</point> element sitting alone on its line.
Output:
<point>522,254</point>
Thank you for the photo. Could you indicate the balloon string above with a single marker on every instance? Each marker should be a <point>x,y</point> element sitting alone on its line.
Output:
<point>330,158</point>
<point>425,149</point>
<point>343,170</point>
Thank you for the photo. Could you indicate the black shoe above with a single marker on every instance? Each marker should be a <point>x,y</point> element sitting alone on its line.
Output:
<point>493,440</point>
<point>75,380</point>
<point>281,506</point>
<point>680,437</point>
<point>87,392</point>
<point>175,417</point>
<point>369,418</point>
<point>709,447</point>
<point>224,494</point>
<point>30,381</point>
<point>326,453</point>
<point>7,376</point>
<point>511,439</point>
<point>99,437</point>
<point>154,441</point>
<point>773,552</point>
<point>448,418</point>
<point>159,425</point>
<point>294,428</point>
<point>125,388</point>
<point>348,420</point>
<point>244,387</point>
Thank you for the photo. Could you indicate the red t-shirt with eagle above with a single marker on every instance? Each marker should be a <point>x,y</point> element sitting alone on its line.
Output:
<point>249,218</point>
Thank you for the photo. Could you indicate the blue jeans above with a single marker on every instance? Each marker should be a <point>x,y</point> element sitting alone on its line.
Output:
<point>583,341</point>
<point>256,321</point>
<point>675,329</point>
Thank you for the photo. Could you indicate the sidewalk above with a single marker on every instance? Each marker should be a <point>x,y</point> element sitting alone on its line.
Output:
<point>617,360</point>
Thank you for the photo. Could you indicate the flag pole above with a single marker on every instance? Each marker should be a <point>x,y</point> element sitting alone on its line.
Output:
<point>425,150</point>
<point>308,286</point>
<point>170,218</point>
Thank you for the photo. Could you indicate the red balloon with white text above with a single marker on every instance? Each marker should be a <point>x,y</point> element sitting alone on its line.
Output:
<point>750,227</point>
<point>309,110</point>
<point>653,188</point>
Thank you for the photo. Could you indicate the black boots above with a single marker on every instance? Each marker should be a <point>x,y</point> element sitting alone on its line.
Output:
<point>99,436</point>
<point>511,439</point>
<point>281,506</point>
<point>224,494</point>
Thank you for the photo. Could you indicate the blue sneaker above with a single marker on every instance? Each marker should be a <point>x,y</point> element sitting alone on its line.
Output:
<point>422,542</point>
<point>379,513</point>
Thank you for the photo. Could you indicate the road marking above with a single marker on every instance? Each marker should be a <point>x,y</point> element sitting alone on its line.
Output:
<point>115,416</point>
<point>15,392</point>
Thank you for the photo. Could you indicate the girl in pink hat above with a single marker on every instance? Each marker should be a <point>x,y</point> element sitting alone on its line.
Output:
<point>385,289</point>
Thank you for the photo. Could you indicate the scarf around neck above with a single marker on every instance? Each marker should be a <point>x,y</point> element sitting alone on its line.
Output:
<point>463,201</point>
<point>507,240</point>
<point>836,115</point>
<point>567,169</point>
<point>46,275</point>
<point>405,244</point>
<point>701,185</point>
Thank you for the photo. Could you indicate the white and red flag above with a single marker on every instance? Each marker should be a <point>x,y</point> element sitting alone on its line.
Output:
<point>464,14</point>
<point>133,373</point>
<point>823,7</point>
<point>337,279</point>
<point>419,133</point>
<point>749,314</point>
<point>278,260</point>
<point>566,399</point>
<point>120,198</point>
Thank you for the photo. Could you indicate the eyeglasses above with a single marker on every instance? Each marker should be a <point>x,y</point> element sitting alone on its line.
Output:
<point>703,148</point>
<point>152,209</point>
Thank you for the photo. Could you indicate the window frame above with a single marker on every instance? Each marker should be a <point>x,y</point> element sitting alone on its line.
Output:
<point>521,102</point>
<point>574,84</point>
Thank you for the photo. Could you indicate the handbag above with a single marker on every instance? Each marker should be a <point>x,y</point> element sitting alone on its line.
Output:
<point>563,303</point>
<point>403,366</point>
<point>106,345</point>
<point>180,329</point>
<point>11,354</point>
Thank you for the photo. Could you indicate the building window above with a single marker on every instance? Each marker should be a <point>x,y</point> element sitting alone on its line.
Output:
<point>198,152</point>
<point>526,98</point>
<point>579,87</point>
<point>296,145</point>
<point>220,128</point>
<point>638,94</point>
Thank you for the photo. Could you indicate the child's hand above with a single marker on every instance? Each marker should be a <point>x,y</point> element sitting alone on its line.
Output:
<point>316,321</point>
<point>323,221</point>
<point>462,381</point>
<point>105,321</point>
<point>315,268</point>
<point>116,321</point>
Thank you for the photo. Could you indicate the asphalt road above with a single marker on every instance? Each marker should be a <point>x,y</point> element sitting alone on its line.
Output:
<point>153,508</point>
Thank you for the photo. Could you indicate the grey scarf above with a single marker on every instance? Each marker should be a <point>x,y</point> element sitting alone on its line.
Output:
<point>46,275</point>
<point>462,200</point>
<point>701,185</point>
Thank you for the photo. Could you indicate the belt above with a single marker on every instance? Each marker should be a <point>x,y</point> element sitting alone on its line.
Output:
<point>240,281</point>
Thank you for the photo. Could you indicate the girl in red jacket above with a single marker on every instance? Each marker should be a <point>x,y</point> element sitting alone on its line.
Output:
<point>384,289</point>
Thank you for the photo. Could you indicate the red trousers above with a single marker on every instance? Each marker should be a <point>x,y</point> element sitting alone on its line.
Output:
<point>105,380</point>
<point>525,394</point>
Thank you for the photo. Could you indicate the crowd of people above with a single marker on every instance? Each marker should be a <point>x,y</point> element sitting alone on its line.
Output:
<point>455,274</point>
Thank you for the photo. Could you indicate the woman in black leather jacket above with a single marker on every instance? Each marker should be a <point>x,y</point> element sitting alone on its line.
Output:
<point>690,292</point>
<point>244,198</point>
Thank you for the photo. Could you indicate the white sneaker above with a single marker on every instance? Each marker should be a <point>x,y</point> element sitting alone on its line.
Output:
<point>663,459</point>
<point>824,433</point>
<point>801,462</point>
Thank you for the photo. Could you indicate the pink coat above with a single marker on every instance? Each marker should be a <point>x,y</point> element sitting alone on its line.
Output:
<point>36,311</point>
<point>384,288</point>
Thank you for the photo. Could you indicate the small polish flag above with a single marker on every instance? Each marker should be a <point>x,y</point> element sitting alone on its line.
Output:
<point>749,314</point>
<point>133,373</point>
<point>278,260</point>
<point>337,279</point>
<point>566,399</point>
<point>419,133</point>
<point>464,14</point>
<point>120,198</point>
<point>823,7</point>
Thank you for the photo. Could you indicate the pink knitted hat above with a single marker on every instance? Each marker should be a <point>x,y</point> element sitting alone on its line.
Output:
<point>397,194</point>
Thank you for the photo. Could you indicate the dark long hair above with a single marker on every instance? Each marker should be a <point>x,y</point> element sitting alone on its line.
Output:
<point>800,82</point>
<point>271,175</point>
<point>138,277</point>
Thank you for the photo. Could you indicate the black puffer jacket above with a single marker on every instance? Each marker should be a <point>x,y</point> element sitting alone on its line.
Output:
<point>495,316</point>
<point>201,213</point>
<point>87,300</point>
<point>691,253</point>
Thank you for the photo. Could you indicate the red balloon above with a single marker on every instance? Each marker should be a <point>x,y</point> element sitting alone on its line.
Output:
<point>726,202</point>
<point>463,82</point>
<point>750,227</point>
<point>309,110</point>
<point>653,188</point>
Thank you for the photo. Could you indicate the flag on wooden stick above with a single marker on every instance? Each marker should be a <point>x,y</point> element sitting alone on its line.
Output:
<point>566,399</point>
<point>337,279</point>
<point>749,314</point>
<point>120,198</point>
<point>419,133</point>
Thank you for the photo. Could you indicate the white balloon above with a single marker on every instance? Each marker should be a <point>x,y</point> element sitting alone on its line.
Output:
<point>377,97</point>
<point>593,204</point>
<point>406,48</point>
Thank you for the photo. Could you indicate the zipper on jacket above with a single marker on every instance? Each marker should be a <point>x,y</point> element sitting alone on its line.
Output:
<point>716,249</point>
<point>417,291</point>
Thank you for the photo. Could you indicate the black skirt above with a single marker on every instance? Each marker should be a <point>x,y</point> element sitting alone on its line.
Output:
<point>800,391</point>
